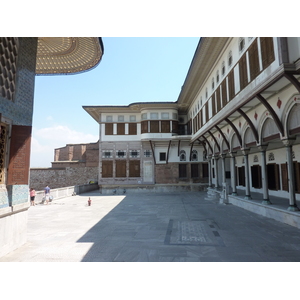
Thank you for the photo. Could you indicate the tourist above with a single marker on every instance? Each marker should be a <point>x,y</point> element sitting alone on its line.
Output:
<point>47,194</point>
<point>32,196</point>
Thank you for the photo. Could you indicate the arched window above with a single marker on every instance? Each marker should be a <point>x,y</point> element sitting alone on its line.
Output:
<point>206,93</point>
<point>182,155</point>
<point>218,77</point>
<point>241,44</point>
<point>223,68</point>
<point>230,59</point>
<point>194,155</point>
<point>213,84</point>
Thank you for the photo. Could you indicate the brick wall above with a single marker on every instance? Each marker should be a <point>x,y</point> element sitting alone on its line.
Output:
<point>57,178</point>
<point>166,173</point>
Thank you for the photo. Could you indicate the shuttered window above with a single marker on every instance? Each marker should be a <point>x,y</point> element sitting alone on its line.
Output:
<point>132,128</point>
<point>256,176</point>
<point>213,101</point>
<point>107,168</point>
<point>206,112</point>
<point>120,168</point>
<point>205,170</point>
<point>218,99</point>
<point>194,170</point>
<point>154,126</point>
<point>199,118</point>
<point>284,177</point>
<point>224,93</point>
<point>134,168</point>
<point>174,126</point>
<point>231,85</point>
<point>243,73</point>
<point>120,128</point>
<point>144,126</point>
<point>267,51</point>
<point>108,128</point>
<point>182,171</point>
<point>165,126</point>
<point>253,60</point>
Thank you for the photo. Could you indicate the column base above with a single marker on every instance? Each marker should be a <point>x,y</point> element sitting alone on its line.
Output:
<point>293,208</point>
<point>266,202</point>
<point>248,197</point>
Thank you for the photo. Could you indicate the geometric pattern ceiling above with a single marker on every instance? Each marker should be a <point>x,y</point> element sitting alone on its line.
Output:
<point>67,55</point>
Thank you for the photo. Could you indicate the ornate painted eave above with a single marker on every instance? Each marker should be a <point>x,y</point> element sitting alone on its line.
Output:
<point>67,55</point>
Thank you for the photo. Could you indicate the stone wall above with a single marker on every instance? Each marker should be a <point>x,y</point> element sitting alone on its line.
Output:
<point>62,177</point>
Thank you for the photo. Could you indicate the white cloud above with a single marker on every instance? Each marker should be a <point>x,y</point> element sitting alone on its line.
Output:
<point>45,140</point>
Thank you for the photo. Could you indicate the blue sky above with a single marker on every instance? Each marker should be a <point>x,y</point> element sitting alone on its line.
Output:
<point>133,69</point>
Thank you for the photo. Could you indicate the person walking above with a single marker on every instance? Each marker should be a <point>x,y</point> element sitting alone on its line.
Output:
<point>32,196</point>
<point>47,194</point>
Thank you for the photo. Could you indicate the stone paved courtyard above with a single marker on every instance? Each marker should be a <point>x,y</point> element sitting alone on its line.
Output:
<point>153,227</point>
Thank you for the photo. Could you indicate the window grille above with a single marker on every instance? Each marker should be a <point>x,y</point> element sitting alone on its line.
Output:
<point>194,155</point>
<point>147,153</point>
<point>121,153</point>
<point>182,155</point>
<point>134,153</point>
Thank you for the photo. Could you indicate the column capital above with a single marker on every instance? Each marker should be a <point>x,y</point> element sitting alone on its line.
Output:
<point>216,156</point>
<point>245,151</point>
<point>223,155</point>
<point>232,154</point>
<point>262,148</point>
<point>288,142</point>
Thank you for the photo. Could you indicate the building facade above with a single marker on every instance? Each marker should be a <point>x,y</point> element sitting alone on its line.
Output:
<point>147,144</point>
<point>21,59</point>
<point>242,96</point>
<point>236,123</point>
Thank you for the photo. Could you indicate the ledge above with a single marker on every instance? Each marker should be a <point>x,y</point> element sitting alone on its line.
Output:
<point>6,211</point>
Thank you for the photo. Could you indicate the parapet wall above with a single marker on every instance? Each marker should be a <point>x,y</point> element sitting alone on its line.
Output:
<point>62,177</point>
<point>67,191</point>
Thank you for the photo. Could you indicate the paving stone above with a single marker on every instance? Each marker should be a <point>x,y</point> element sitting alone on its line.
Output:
<point>158,227</point>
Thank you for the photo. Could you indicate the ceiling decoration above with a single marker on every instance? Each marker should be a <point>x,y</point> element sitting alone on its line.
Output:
<point>67,55</point>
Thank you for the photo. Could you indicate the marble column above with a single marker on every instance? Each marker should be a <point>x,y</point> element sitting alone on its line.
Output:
<point>264,175</point>
<point>216,158</point>
<point>291,179</point>
<point>247,179</point>
<point>209,172</point>
<point>233,173</point>
<point>223,156</point>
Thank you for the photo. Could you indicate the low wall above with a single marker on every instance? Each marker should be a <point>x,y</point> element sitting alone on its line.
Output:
<point>158,188</point>
<point>67,191</point>
<point>61,177</point>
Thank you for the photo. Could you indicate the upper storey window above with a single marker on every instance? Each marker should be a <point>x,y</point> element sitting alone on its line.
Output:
<point>206,93</point>
<point>153,116</point>
<point>223,68</point>
<point>230,59</point>
<point>165,116</point>
<point>132,118</point>
<point>218,77</point>
<point>120,118</point>
<point>144,116</point>
<point>108,118</point>
<point>213,84</point>
<point>241,44</point>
